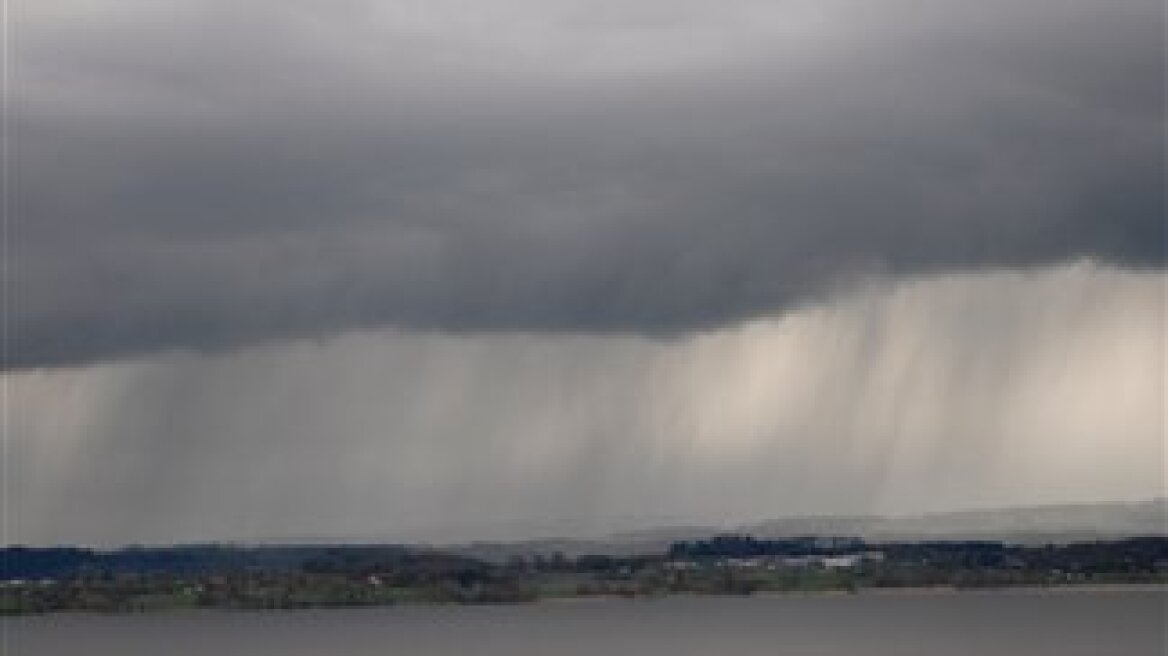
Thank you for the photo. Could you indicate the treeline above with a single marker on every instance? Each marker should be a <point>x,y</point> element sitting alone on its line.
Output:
<point>224,576</point>
<point>72,562</point>
<point>1140,555</point>
<point>1128,555</point>
<point>137,579</point>
<point>745,546</point>
<point>1144,555</point>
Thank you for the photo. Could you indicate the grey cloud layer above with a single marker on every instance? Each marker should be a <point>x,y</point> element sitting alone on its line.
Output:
<point>197,174</point>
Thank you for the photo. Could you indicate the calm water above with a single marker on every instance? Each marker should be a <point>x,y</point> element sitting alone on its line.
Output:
<point>1023,623</point>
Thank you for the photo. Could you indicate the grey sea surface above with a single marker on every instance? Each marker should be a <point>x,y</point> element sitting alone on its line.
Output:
<point>1021,622</point>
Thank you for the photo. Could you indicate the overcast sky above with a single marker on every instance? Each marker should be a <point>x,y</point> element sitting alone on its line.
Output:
<point>304,267</point>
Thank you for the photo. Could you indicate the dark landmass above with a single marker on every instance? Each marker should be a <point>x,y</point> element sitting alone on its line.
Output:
<point>632,536</point>
<point>38,580</point>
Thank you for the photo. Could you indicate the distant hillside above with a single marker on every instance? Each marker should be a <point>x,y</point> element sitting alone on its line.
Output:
<point>1029,525</point>
<point>1062,523</point>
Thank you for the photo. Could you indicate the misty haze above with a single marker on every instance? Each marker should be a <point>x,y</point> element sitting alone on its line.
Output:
<point>506,288</point>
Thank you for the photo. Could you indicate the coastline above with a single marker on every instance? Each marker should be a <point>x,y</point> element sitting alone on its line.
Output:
<point>939,590</point>
<point>910,591</point>
<point>869,592</point>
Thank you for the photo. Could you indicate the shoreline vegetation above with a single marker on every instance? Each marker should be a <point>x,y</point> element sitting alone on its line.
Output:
<point>938,590</point>
<point>142,579</point>
<point>916,591</point>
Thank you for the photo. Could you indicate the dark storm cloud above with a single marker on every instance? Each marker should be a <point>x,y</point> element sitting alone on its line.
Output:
<point>196,174</point>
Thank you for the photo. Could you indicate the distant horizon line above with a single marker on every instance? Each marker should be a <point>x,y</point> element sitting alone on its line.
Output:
<point>628,534</point>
